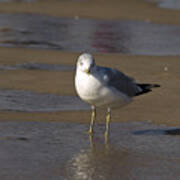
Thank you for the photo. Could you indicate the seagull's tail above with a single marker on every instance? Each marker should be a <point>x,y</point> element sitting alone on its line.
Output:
<point>145,88</point>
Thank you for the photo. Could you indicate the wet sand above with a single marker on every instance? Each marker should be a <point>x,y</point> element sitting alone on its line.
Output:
<point>161,106</point>
<point>144,139</point>
<point>92,35</point>
<point>115,9</point>
<point>53,150</point>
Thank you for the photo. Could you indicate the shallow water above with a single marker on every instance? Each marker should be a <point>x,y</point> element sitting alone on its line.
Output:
<point>27,101</point>
<point>128,37</point>
<point>55,150</point>
<point>38,66</point>
<point>169,4</point>
<point>52,150</point>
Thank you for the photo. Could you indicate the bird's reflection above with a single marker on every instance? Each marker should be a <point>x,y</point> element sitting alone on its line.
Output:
<point>100,161</point>
<point>93,143</point>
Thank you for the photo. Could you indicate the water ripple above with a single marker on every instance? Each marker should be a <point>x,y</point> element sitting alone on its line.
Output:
<point>38,66</point>
<point>27,101</point>
<point>105,36</point>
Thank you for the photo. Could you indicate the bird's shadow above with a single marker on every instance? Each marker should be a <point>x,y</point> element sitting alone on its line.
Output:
<point>172,131</point>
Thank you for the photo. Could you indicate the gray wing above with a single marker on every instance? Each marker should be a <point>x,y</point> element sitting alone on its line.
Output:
<point>120,81</point>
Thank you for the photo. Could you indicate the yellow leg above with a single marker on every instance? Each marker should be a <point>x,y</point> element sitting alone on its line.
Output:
<point>91,141</point>
<point>108,120</point>
<point>93,117</point>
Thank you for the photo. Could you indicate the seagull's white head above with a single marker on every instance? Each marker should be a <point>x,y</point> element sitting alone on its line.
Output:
<point>86,63</point>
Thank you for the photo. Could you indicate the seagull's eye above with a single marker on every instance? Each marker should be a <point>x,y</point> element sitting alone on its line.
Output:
<point>81,63</point>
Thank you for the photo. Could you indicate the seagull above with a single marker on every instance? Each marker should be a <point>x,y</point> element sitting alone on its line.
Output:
<point>105,87</point>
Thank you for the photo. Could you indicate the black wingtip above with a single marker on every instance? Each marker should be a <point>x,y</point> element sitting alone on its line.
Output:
<point>146,88</point>
<point>155,85</point>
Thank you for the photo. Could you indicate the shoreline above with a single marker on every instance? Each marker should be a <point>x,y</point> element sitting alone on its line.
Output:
<point>161,106</point>
<point>114,10</point>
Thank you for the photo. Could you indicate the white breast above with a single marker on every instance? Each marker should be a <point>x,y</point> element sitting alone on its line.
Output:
<point>100,94</point>
<point>84,84</point>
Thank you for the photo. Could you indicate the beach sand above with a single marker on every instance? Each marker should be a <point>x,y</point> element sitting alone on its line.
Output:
<point>98,9</point>
<point>55,145</point>
<point>161,106</point>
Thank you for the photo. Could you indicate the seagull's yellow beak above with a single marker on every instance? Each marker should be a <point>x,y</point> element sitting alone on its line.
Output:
<point>88,71</point>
